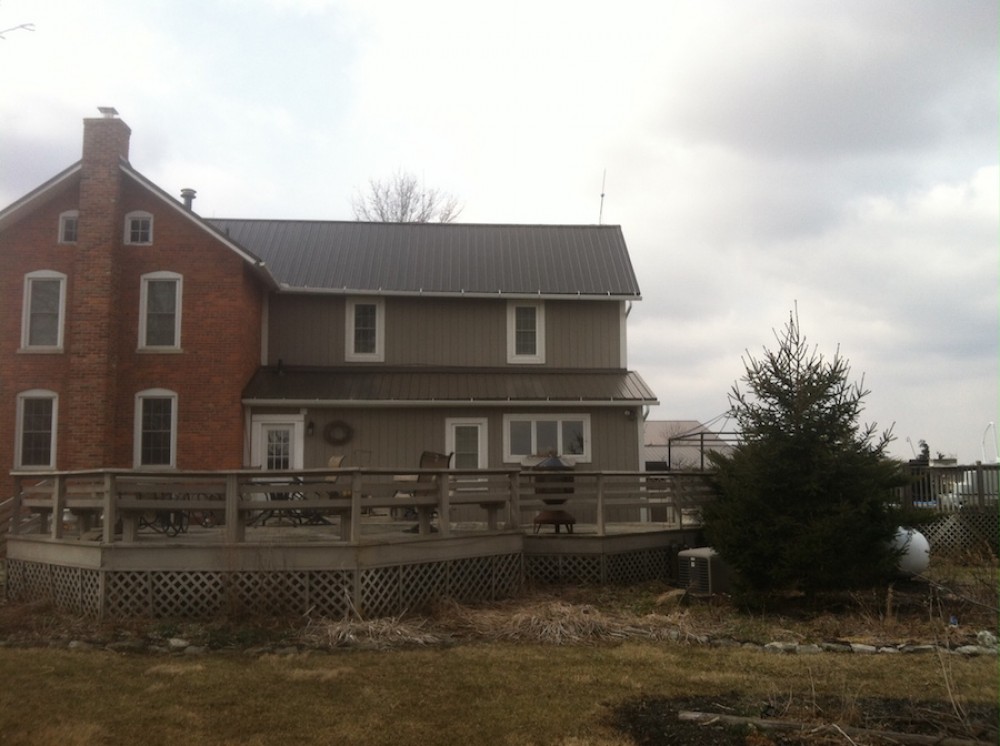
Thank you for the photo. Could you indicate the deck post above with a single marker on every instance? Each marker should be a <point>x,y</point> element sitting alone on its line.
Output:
<point>235,519</point>
<point>350,524</point>
<point>444,503</point>
<point>514,485</point>
<point>15,508</point>
<point>58,506</point>
<point>600,505</point>
<point>110,508</point>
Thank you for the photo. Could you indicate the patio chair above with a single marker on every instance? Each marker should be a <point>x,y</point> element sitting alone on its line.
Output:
<point>426,484</point>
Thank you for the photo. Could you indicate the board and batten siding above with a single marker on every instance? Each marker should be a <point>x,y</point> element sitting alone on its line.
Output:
<point>309,331</point>
<point>392,437</point>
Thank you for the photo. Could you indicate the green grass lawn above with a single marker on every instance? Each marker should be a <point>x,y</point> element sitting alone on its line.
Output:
<point>464,694</point>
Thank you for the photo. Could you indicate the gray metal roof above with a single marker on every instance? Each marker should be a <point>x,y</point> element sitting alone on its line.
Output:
<point>447,387</point>
<point>440,258</point>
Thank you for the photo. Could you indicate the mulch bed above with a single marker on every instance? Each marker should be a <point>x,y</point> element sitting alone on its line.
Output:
<point>652,721</point>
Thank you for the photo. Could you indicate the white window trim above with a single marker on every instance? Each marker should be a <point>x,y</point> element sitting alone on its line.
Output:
<point>257,423</point>
<point>128,227</point>
<point>43,274</point>
<point>137,428</point>
<point>364,357</point>
<point>19,432</point>
<point>143,317</point>
<point>63,217</point>
<point>512,356</point>
<point>584,457</point>
<point>484,442</point>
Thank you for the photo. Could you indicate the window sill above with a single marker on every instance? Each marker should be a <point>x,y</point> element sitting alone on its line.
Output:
<point>159,350</point>
<point>41,351</point>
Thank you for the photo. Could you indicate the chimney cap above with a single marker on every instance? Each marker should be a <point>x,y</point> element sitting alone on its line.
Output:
<point>108,112</point>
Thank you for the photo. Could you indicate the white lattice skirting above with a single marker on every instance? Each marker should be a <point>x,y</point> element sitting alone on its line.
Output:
<point>374,592</point>
<point>624,568</point>
<point>963,532</point>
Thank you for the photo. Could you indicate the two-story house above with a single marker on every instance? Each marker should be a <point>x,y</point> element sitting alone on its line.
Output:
<point>136,334</point>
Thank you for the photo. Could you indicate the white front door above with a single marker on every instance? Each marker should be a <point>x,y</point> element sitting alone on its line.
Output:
<point>277,442</point>
<point>466,438</point>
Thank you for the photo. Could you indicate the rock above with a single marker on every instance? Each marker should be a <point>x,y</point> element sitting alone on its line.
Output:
<point>780,647</point>
<point>986,639</point>
<point>836,647</point>
<point>176,644</point>
<point>80,645</point>
<point>809,649</point>
<point>969,650</point>
<point>724,642</point>
<point>861,649</point>
<point>888,649</point>
<point>918,649</point>
<point>195,650</point>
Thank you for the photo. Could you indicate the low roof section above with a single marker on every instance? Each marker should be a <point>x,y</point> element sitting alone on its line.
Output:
<point>440,258</point>
<point>365,386</point>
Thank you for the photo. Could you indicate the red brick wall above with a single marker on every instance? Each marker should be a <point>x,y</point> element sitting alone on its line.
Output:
<point>101,369</point>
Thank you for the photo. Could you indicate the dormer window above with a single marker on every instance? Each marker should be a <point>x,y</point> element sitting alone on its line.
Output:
<point>67,226</point>
<point>139,228</point>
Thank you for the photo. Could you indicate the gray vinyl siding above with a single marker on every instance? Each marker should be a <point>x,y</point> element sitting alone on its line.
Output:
<point>308,330</point>
<point>394,438</point>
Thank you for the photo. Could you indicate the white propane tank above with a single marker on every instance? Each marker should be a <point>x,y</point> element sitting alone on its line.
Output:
<point>916,551</point>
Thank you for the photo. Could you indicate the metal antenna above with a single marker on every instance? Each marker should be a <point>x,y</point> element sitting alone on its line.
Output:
<point>600,213</point>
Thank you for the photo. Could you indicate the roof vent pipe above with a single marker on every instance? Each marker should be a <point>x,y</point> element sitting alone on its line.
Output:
<point>187,194</point>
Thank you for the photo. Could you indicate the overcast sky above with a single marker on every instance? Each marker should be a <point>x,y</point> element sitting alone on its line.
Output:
<point>838,155</point>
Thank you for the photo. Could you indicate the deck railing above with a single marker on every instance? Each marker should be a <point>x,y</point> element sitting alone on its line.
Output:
<point>117,505</point>
<point>951,489</point>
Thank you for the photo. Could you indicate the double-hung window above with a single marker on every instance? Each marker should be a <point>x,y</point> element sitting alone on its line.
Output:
<point>139,228</point>
<point>543,434</point>
<point>67,226</point>
<point>365,330</point>
<point>44,311</point>
<point>526,332</point>
<point>160,311</point>
<point>36,429</point>
<point>155,428</point>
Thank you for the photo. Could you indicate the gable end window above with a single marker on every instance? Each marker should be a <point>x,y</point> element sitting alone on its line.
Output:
<point>160,311</point>
<point>67,226</point>
<point>44,311</point>
<point>526,435</point>
<point>525,332</point>
<point>36,429</point>
<point>155,429</point>
<point>365,330</point>
<point>139,228</point>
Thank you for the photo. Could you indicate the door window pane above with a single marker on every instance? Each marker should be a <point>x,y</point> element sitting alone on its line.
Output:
<point>467,446</point>
<point>279,449</point>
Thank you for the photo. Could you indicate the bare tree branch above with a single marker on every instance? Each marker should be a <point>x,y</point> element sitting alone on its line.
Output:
<point>402,199</point>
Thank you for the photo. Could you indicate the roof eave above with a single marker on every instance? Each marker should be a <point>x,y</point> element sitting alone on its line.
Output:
<point>426,403</point>
<point>12,213</point>
<point>513,295</point>
<point>258,264</point>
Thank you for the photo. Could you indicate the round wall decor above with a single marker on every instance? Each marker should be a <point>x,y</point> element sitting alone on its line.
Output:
<point>337,433</point>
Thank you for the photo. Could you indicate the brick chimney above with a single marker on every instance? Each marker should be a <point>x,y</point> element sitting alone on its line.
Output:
<point>92,324</point>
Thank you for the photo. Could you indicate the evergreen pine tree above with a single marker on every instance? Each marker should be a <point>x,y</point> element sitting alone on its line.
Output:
<point>804,495</point>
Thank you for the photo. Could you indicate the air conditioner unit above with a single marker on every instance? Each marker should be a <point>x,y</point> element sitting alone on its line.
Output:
<point>701,572</point>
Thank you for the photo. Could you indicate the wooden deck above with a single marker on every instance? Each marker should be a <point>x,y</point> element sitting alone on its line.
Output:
<point>333,542</point>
